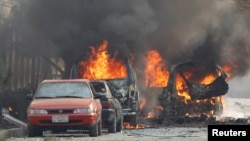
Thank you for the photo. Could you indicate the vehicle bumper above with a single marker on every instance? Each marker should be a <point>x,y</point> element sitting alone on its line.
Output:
<point>128,112</point>
<point>75,121</point>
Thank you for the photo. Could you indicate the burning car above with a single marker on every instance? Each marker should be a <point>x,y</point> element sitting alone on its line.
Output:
<point>118,72</point>
<point>193,90</point>
<point>127,91</point>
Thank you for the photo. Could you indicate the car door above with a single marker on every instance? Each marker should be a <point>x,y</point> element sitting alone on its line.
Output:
<point>115,101</point>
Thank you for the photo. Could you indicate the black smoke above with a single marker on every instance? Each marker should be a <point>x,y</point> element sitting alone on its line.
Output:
<point>207,30</point>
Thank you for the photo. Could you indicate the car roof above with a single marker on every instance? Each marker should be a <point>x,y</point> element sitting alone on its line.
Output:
<point>64,80</point>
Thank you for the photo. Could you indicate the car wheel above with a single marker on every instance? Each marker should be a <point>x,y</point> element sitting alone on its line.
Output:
<point>112,126</point>
<point>100,128</point>
<point>34,131</point>
<point>119,125</point>
<point>93,132</point>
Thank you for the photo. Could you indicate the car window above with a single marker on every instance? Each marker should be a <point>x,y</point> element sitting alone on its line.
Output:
<point>112,91</point>
<point>119,86</point>
<point>65,89</point>
<point>99,87</point>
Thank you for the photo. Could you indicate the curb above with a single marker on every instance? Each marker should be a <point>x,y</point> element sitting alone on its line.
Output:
<point>15,132</point>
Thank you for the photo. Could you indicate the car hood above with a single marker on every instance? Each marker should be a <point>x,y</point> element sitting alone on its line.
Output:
<point>67,103</point>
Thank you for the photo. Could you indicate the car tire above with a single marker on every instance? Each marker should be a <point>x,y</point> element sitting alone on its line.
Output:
<point>112,126</point>
<point>100,128</point>
<point>93,132</point>
<point>34,131</point>
<point>119,125</point>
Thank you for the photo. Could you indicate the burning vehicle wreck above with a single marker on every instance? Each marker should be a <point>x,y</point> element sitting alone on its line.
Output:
<point>125,90</point>
<point>193,90</point>
<point>119,73</point>
<point>188,89</point>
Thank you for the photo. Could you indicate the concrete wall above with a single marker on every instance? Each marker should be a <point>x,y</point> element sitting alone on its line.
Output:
<point>16,132</point>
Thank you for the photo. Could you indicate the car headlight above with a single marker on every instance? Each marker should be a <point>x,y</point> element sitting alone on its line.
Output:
<point>38,112</point>
<point>82,111</point>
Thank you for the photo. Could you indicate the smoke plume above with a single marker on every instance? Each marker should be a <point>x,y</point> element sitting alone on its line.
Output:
<point>208,30</point>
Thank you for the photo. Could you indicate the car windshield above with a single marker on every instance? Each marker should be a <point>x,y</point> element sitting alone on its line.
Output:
<point>63,89</point>
<point>119,86</point>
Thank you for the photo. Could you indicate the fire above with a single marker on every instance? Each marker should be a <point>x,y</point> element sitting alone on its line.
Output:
<point>208,79</point>
<point>212,101</point>
<point>156,75</point>
<point>100,65</point>
<point>150,115</point>
<point>128,126</point>
<point>155,112</point>
<point>205,79</point>
<point>182,88</point>
<point>143,103</point>
<point>228,69</point>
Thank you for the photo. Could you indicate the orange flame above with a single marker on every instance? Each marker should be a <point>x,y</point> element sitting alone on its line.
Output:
<point>150,115</point>
<point>155,73</point>
<point>208,79</point>
<point>204,78</point>
<point>143,103</point>
<point>228,70</point>
<point>100,65</point>
<point>127,125</point>
<point>10,109</point>
<point>182,88</point>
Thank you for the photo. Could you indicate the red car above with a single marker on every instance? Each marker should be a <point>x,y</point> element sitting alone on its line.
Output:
<point>59,105</point>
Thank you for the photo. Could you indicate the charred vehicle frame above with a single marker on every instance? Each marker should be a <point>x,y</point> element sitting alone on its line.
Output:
<point>204,99</point>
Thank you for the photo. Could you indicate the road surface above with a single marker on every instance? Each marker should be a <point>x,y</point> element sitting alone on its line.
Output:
<point>234,107</point>
<point>149,134</point>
